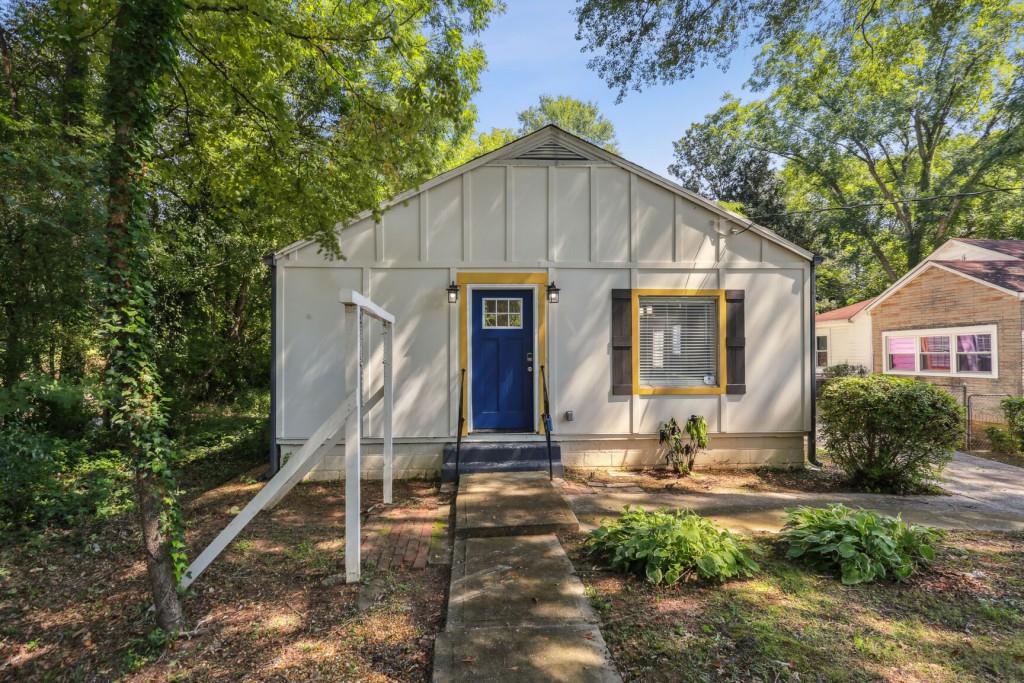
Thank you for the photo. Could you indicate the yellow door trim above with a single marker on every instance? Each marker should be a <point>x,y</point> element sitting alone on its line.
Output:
<point>661,391</point>
<point>539,281</point>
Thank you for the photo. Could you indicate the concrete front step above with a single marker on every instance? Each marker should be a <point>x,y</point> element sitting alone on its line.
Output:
<point>476,457</point>
<point>510,504</point>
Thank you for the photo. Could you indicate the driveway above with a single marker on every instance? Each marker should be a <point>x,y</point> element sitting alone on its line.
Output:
<point>986,495</point>
<point>986,481</point>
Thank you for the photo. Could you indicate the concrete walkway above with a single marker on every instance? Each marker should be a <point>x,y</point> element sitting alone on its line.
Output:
<point>986,495</point>
<point>516,609</point>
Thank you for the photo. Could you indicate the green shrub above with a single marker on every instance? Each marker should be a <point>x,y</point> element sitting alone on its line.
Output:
<point>54,468</point>
<point>29,464</point>
<point>889,433</point>
<point>860,545</point>
<point>1002,441</point>
<point>669,546</point>
<point>1013,409</point>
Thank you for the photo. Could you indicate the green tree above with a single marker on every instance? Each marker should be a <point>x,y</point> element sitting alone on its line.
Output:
<point>740,178</point>
<point>900,109</point>
<point>578,117</point>
<point>174,143</point>
<point>50,204</point>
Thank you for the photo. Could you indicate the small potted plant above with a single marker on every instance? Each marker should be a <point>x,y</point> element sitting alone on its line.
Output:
<point>681,453</point>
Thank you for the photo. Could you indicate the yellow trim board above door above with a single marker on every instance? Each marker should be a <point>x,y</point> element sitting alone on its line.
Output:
<point>667,391</point>
<point>538,280</point>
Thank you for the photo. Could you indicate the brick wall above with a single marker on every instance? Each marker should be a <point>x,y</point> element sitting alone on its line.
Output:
<point>938,298</point>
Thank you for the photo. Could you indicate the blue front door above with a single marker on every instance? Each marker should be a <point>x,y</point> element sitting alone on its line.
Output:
<point>503,365</point>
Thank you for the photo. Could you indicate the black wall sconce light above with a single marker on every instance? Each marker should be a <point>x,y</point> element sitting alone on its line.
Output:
<point>553,293</point>
<point>453,293</point>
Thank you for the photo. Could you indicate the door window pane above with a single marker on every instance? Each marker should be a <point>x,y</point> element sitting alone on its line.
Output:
<point>502,313</point>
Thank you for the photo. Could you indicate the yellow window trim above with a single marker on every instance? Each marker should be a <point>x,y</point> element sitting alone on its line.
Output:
<point>667,391</point>
<point>539,281</point>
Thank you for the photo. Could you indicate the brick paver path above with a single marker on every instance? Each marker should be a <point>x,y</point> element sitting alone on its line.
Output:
<point>400,537</point>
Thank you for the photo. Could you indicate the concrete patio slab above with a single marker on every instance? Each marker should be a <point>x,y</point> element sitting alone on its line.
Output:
<point>510,504</point>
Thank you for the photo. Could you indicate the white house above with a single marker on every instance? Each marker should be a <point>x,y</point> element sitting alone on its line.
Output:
<point>843,336</point>
<point>667,305</point>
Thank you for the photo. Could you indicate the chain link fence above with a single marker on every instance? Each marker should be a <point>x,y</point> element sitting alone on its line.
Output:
<point>983,411</point>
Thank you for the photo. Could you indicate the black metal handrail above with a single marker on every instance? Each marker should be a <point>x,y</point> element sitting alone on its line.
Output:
<point>462,420</point>
<point>546,417</point>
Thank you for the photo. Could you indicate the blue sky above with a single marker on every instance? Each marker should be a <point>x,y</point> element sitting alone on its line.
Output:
<point>531,50</point>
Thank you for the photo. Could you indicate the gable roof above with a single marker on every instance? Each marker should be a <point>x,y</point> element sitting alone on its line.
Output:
<point>1007,274</point>
<point>1013,248</point>
<point>555,144</point>
<point>844,313</point>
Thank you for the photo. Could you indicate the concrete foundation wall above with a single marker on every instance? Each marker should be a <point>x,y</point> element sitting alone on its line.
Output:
<point>423,459</point>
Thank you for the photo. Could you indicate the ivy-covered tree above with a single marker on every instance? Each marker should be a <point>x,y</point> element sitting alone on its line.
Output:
<point>142,52</point>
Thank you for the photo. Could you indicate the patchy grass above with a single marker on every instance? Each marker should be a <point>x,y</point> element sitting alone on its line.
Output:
<point>75,606</point>
<point>963,620</point>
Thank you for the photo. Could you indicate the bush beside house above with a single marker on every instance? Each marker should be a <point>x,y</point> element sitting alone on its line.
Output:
<point>888,433</point>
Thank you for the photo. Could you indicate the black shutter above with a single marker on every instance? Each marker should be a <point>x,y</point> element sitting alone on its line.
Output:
<point>735,343</point>
<point>622,342</point>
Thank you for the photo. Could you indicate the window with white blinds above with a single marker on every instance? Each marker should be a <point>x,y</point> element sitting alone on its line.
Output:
<point>678,341</point>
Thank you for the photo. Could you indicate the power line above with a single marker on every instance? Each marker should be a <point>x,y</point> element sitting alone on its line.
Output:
<point>867,205</point>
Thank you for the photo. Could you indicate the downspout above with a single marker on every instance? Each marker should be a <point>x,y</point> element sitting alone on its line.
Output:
<point>275,452</point>
<point>812,446</point>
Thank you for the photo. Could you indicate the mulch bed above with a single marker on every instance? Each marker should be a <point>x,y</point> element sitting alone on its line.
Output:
<point>272,607</point>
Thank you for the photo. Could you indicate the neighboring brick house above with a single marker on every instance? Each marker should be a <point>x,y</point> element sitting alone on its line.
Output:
<point>956,319</point>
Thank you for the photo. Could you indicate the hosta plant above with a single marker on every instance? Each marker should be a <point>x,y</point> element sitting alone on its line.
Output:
<point>859,545</point>
<point>670,546</point>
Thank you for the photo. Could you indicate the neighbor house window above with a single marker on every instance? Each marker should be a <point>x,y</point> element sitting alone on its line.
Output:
<point>679,342</point>
<point>950,351</point>
<point>821,351</point>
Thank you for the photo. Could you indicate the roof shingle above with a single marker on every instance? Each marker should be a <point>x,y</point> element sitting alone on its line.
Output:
<point>1006,274</point>
<point>1014,248</point>
<point>844,313</point>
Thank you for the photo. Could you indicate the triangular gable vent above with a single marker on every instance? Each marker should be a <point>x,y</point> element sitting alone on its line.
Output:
<point>552,151</point>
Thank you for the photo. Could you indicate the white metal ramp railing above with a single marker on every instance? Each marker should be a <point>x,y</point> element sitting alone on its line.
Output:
<point>347,421</point>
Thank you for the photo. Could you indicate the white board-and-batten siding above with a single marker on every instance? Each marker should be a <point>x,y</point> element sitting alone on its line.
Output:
<point>589,226</point>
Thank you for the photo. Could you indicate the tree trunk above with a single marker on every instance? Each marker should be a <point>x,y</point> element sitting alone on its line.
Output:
<point>149,493</point>
<point>141,52</point>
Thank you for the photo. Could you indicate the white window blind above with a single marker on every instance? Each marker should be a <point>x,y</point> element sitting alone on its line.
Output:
<point>678,341</point>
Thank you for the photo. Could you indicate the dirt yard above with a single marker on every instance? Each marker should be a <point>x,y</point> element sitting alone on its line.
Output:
<point>271,608</point>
